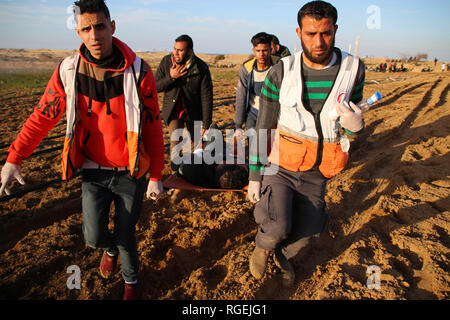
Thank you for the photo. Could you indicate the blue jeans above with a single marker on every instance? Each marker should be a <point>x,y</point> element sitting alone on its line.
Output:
<point>99,189</point>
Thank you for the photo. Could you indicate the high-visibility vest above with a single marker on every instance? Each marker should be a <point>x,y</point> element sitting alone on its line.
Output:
<point>72,157</point>
<point>304,141</point>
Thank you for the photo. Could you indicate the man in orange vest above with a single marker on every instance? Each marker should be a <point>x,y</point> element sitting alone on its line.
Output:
<point>302,102</point>
<point>114,135</point>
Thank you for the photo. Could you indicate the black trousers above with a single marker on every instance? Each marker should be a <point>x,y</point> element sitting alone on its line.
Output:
<point>291,210</point>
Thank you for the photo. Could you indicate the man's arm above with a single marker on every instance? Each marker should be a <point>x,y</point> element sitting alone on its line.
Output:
<point>206,95</point>
<point>152,127</point>
<point>43,119</point>
<point>267,119</point>
<point>45,116</point>
<point>358,90</point>
<point>357,94</point>
<point>241,98</point>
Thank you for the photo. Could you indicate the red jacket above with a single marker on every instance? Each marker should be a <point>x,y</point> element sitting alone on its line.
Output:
<point>101,133</point>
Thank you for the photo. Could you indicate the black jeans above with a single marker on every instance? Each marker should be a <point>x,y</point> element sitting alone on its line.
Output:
<point>99,189</point>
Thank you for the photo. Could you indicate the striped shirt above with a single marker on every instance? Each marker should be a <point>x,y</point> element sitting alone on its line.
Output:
<point>255,91</point>
<point>318,85</point>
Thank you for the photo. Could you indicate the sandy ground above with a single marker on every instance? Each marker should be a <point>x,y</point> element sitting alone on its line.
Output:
<point>389,208</point>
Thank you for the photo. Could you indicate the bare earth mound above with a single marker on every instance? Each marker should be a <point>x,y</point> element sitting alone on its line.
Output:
<point>389,208</point>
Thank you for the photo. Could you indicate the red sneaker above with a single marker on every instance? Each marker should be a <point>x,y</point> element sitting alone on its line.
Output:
<point>107,266</point>
<point>131,292</point>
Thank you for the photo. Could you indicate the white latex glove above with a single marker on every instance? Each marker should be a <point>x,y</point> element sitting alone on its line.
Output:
<point>10,171</point>
<point>350,120</point>
<point>254,191</point>
<point>154,189</point>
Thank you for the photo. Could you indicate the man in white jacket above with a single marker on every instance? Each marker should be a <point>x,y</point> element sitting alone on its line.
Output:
<point>297,98</point>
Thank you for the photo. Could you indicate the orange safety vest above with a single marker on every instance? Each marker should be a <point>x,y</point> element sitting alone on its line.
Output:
<point>302,141</point>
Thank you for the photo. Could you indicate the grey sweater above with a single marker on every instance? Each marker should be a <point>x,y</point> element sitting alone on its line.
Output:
<point>244,91</point>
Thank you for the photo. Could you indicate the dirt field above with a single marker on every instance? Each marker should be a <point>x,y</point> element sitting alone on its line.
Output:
<point>389,208</point>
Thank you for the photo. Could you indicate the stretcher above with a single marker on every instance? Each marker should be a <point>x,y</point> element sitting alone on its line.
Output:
<point>175,182</point>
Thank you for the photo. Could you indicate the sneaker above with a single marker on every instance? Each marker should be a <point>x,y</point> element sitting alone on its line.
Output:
<point>131,292</point>
<point>287,271</point>
<point>258,262</point>
<point>107,266</point>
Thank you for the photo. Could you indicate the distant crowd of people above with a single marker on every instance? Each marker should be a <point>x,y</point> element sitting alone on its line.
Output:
<point>392,67</point>
<point>444,67</point>
<point>223,66</point>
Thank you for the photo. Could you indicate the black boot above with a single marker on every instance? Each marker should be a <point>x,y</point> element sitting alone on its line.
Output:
<point>287,271</point>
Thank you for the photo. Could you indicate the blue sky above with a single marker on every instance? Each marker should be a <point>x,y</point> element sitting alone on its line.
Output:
<point>226,26</point>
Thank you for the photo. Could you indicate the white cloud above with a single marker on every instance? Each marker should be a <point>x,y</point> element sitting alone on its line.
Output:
<point>31,14</point>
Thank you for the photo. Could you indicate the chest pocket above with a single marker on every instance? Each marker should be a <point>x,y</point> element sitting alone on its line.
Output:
<point>290,116</point>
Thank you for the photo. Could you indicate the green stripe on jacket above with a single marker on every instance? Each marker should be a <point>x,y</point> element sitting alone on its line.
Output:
<point>269,95</point>
<point>255,168</point>
<point>271,86</point>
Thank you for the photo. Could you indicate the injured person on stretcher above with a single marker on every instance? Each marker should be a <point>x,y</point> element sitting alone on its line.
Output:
<point>215,175</point>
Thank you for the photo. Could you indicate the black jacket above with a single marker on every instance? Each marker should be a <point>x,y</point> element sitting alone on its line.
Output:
<point>196,88</point>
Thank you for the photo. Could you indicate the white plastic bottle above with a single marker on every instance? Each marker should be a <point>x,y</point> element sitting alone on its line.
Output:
<point>363,105</point>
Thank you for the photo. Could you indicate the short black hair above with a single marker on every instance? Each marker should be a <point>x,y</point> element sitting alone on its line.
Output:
<point>261,38</point>
<point>91,6</point>
<point>275,39</point>
<point>187,39</point>
<point>318,10</point>
<point>232,177</point>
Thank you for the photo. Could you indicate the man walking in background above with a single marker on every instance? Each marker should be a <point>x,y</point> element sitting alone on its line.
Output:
<point>251,78</point>
<point>298,98</point>
<point>114,135</point>
<point>278,49</point>
<point>186,82</point>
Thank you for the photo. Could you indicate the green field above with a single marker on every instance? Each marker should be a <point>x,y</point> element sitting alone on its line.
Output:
<point>38,80</point>
<point>20,81</point>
